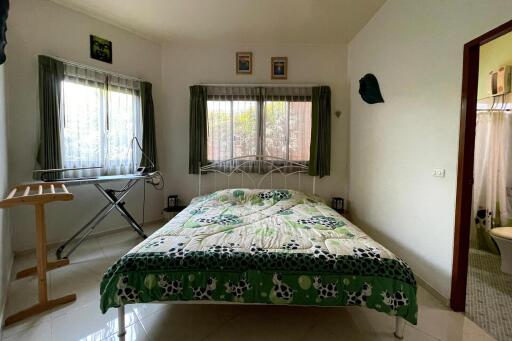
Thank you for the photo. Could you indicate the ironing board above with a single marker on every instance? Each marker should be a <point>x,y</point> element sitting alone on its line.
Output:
<point>38,195</point>
<point>115,202</point>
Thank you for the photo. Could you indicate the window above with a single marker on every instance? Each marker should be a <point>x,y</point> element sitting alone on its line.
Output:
<point>287,129</point>
<point>232,129</point>
<point>258,121</point>
<point>101,116</point>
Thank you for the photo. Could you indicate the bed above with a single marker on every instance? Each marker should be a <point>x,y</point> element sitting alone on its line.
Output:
<point>262,246</point>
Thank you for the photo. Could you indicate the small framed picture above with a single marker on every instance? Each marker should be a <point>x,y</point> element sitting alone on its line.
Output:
<point>244,63</point>
<point>279,68</point>
<point>101,49</point>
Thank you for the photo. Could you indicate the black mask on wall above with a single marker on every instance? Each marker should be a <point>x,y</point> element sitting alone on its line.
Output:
<point>4,10</point>
<point>369,89</point>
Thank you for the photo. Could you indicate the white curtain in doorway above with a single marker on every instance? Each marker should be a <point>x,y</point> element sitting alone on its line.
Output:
<point>491,204</point>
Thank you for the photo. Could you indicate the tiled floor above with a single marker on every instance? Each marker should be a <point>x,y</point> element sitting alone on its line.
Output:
<point>489,294</point>
<point>82,320</point>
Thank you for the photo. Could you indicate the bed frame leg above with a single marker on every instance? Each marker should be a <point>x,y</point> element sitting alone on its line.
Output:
<point>399,327</point>
<point>120,318</point>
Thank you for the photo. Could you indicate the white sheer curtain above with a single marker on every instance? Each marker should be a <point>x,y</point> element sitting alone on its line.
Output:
<point>491,204</point>
<point>124,120</point>
<point>101,116</point>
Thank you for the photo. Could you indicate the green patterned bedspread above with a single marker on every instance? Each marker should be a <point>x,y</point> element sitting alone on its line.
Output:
<point>262,246</point>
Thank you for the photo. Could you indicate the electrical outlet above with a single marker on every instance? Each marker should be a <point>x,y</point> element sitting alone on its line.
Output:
<point>439,172</point>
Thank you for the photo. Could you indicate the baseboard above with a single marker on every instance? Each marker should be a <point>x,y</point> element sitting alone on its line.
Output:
<point>432,291</point>
<point>4,294</point>
<point>98,234</point>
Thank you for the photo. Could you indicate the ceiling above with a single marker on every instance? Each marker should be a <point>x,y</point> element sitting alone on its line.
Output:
<point>249,21</point>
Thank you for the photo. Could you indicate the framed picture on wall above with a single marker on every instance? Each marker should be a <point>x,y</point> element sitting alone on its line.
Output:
<point>101,49</point>
<point>244,63</point>
<point>279,67</point>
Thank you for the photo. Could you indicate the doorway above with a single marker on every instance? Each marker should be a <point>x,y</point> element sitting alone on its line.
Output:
<point>464,214</point>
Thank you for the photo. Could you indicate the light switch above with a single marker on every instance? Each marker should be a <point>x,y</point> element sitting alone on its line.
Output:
<point>439,172</point>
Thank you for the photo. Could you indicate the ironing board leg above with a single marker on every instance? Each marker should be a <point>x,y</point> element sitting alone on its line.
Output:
<point>119,206</point>
<point>120,318</point>
<point>114,203</point>
<point>89,223</point>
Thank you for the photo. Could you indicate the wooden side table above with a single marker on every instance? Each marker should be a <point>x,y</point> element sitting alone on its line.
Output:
<point>38,195</point>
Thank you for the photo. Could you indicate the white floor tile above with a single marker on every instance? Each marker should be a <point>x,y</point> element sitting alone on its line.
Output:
<point>319,333</point>
<point>186,321</point>
<point>293,323</point>
<point>24,261</point>
<point>82,320</point>
<point>135,332</point>
<point>38,332</point>
<point>117,244</point>
<point>74,280</point>
<point>144,310</point>
<point>88,323</point>
<point>154,226</point>
<point>89,250</point>
<point>22,294</point>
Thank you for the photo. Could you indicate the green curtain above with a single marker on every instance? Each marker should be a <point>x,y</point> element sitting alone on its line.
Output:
<point>197,148</point>
<point>51,75</point>
<point>320,148</point>
<point>148,128</point>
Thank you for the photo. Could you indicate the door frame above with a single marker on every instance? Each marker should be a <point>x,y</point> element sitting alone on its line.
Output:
<point>465,163</point>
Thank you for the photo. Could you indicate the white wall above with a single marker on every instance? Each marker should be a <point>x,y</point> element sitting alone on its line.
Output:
<point>185,65</point>
<point>5,231</point>
<point>41,27</point>
<point>414,47</point>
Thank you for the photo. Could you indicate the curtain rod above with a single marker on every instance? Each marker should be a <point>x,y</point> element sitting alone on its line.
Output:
<point>494,110</point>
<point>71,62</point>
<point>260,84</point>
<point>501,97</point>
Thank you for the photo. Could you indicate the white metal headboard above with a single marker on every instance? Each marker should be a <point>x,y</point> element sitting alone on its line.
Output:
<point>275,164</point>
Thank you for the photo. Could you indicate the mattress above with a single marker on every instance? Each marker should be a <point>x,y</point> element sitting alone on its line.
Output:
<point>262,246</point>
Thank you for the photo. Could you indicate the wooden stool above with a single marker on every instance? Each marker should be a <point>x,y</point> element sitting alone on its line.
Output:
<point>38,195</point>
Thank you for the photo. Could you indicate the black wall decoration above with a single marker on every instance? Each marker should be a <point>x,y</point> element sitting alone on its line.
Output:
<point>369,89</point>
<point>101,49</point>
<point>4,10</point>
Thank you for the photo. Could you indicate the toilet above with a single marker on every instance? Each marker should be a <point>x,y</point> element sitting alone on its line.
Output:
<point>503,237</point>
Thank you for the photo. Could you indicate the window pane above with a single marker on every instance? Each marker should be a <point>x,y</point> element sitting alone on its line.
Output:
<point>300,131</point>
<point>88,140</point>
<point>275,128</point>
<point>245,131</point>
<point>83,125</point>
<point>232,129</point>
<point>219,130</point>
<point>121,126</point>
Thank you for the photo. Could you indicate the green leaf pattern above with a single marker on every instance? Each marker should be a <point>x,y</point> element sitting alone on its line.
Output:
<point>262,246</point>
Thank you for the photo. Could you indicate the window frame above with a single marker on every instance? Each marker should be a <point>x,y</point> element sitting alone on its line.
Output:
<point>260,101</point>
<point>105,85</point>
